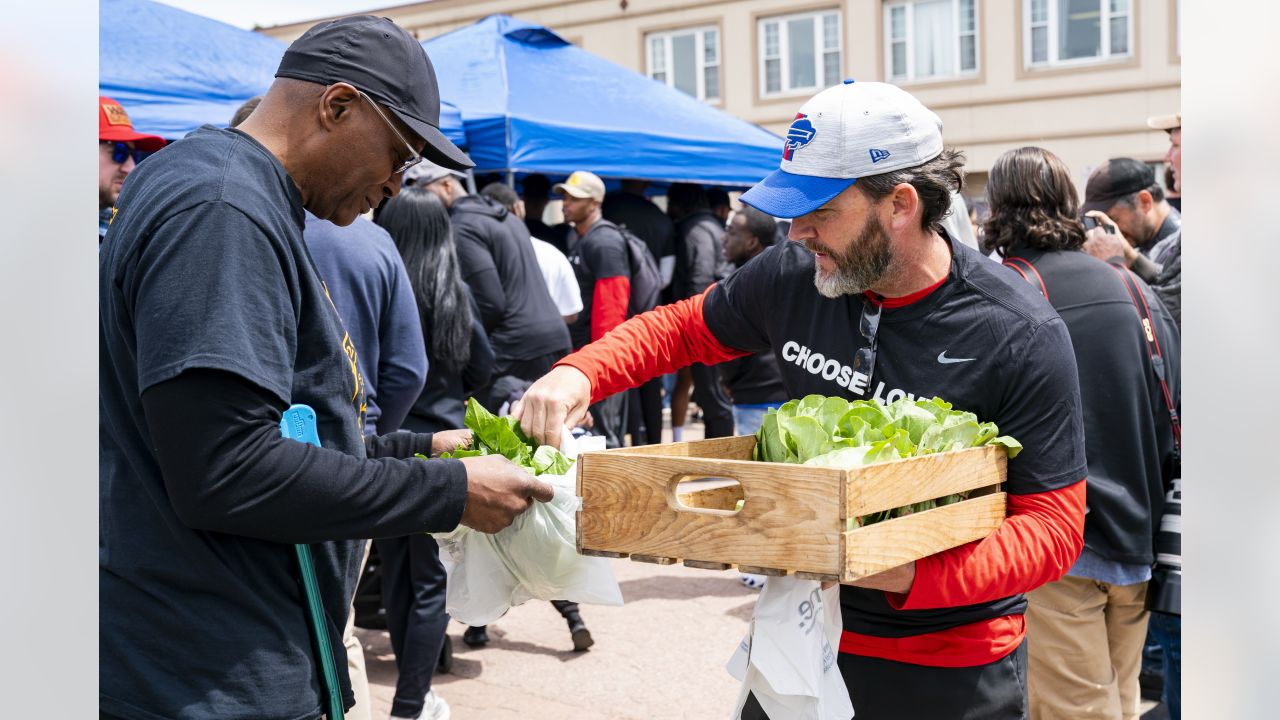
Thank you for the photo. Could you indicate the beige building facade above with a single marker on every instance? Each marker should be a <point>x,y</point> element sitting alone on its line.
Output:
<point>1078,77</point>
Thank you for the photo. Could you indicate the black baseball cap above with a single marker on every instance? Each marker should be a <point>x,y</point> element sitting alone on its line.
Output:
<point>382,60</point>
<point>1114,179</point>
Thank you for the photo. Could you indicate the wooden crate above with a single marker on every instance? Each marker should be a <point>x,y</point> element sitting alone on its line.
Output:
<point>793,517</point>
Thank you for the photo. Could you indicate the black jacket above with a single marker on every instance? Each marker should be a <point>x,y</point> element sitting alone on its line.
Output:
<point>700,257</point>
<point>1128,432</point>
<point>499,265</point>
<point>1163,272</point>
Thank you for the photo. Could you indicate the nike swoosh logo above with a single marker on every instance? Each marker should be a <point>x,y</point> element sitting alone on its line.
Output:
<point>942,358</point>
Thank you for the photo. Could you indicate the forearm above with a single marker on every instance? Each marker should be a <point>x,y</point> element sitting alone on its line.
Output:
<point>227,469</point>
<point>398,388</point>
<point>1036,544</point>
<point>1145,268</point>
<point>650,344</point>
<point>403,445</point>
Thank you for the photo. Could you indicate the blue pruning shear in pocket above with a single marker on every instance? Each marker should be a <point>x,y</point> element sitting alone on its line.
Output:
<point>299,423</point>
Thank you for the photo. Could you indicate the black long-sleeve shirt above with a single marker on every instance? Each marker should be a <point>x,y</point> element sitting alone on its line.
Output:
<point>212,321</point>
<point>227,469</point>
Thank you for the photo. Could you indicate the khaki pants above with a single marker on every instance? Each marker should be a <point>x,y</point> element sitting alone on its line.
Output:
<point>1085,649</point>
<point>363,709</point>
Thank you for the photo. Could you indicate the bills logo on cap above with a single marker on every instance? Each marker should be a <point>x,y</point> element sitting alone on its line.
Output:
<point>799,134</point>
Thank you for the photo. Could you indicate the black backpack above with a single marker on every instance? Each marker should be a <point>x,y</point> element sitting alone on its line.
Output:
<point>646,280</point>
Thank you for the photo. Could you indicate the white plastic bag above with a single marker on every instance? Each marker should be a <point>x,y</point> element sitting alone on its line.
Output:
<point>788,658</point>
<point>536,557</point>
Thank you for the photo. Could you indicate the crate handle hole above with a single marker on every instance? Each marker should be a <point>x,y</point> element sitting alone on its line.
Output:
<point>707,495</point>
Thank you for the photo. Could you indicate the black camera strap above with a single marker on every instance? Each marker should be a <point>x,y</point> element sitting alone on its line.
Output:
<point>1139,300</point>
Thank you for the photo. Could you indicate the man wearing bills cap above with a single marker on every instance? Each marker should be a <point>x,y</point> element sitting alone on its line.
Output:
<point>213,321</point>
<point>872,299</point>
<point>120,149</point>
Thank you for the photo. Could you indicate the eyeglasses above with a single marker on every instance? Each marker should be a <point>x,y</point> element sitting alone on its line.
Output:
<point>121,152</point>
<point>414,157</point>
<point>864,361</point>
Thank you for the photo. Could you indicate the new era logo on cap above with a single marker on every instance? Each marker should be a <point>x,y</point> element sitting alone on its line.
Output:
<point>845,132</point>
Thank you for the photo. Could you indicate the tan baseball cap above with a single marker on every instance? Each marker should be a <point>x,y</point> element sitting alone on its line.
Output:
<point>582,184</point>
<point>1165,122</point>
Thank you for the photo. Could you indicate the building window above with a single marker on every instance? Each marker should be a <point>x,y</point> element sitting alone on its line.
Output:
<point>1069,32</point>
<point>687,60</point>
<point>931,39</point>
<point>799,53</point>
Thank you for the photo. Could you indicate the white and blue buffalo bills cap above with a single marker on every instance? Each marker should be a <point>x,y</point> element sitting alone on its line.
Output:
<point>845,132</point>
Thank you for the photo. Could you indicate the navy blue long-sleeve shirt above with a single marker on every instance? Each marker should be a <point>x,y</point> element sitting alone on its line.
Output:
<point>370,289</point>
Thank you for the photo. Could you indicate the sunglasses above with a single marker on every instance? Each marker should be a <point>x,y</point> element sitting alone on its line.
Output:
<point>121,152</point>
<point>414,157</point>
<point>865,359</point>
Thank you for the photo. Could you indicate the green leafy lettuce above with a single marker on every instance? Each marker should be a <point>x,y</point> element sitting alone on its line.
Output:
<point>834,432</point>
<point>493,435</point>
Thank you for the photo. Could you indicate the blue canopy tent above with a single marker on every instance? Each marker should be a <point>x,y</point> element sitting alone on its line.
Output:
<point>174,71</point>
<point>532,102</point>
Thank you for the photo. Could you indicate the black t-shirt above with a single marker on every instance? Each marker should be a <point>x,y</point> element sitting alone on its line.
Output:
<point>207,268</point>
<point>754,379</point>
<point>600,254</point>
<point>1127,429</point>
<point>499,265</point>
<point>642,218</point>
<point>984,341</point>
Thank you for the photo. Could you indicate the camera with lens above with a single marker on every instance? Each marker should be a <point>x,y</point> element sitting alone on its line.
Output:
<point>1164,592</point>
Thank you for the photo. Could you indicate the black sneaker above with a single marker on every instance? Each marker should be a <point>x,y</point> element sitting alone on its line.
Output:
<point>581,635</point>
<point>476,636</point>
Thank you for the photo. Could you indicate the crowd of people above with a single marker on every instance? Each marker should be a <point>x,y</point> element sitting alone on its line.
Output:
<point>330,247</point>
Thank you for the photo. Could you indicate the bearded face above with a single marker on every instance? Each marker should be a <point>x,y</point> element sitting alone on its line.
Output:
<point>858,267</point>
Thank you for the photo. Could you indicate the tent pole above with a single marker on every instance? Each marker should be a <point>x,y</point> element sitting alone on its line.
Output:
<point>511,179</point>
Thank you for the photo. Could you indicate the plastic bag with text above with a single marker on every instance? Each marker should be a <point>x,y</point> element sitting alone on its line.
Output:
<point>788,658</point>
<point>535,558</point>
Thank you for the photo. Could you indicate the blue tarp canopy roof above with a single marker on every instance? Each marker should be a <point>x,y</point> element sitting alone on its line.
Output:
<point>532,102</point>
<point>174,71</point>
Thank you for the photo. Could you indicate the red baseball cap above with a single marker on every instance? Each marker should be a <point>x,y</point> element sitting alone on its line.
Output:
<point>114,125</point>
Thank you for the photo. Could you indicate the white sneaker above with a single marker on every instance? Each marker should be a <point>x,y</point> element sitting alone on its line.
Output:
<point>751,580</point>
<point>433,708</point>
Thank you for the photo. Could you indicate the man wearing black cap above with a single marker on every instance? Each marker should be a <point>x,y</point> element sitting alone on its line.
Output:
<point>1160,266</point>
<point>213,321</point>
<point>1127,191</point>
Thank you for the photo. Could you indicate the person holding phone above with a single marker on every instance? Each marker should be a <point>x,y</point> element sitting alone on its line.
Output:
<point>1139,228</point>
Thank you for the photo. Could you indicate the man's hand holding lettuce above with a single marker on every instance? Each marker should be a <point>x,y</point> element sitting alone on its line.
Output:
<point>536,557</point>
